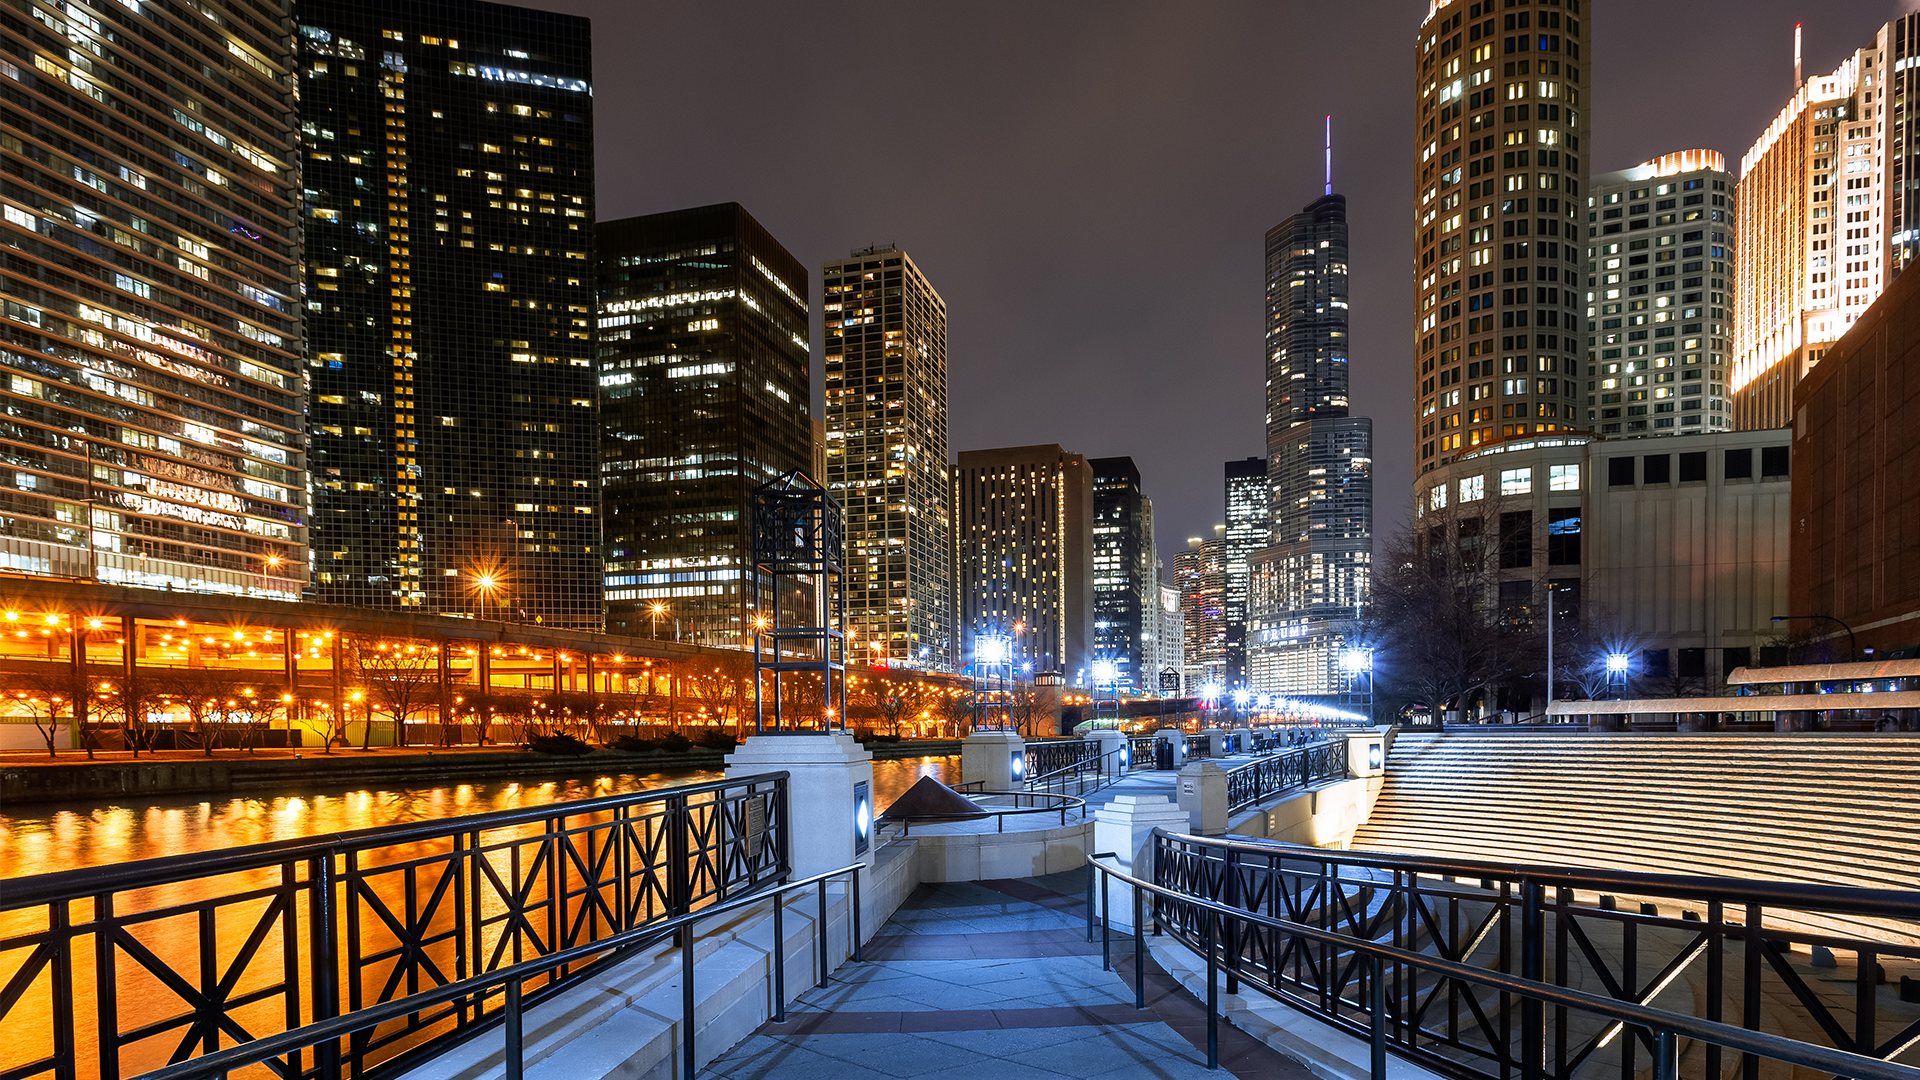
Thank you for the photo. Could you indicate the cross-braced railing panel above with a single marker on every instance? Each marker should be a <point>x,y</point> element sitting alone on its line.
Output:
<point>1728,951</point>
<point>111,971</point>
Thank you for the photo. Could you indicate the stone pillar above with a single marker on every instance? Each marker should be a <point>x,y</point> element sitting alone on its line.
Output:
<point>1111,745</point>
<point>1366,753</point>
<point>1216,742</point>
<point>1203,795</point>
<point>1178,739</point>
<point>995,758</point>
<point>826,770</point>
<point>1125,827</point>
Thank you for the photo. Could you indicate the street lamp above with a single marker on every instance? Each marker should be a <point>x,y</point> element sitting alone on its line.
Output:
<point>1354,662</point>
<point>1617,664</point>
<point>1853,646</point>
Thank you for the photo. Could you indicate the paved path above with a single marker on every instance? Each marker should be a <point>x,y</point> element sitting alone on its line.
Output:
<point>995,979</point>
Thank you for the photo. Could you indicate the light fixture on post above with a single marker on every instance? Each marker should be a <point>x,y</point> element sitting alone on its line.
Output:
<point>1617,665</point>
<point>798,547</point>
<point>862,817</point>
<point>992,683</point>
<point>1106,694</point>
<point>1354,662</point>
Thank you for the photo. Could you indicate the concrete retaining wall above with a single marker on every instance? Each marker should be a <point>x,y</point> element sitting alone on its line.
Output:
<point>1326,816</point>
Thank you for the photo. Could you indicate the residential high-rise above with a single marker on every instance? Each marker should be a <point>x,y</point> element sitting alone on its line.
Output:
<point>1246,533</point>
<point>1308,589</point>
<point>449,291</point>
<point>152,324</point>
<point>704,392</point>
<point>1200,575</point>
<point>1825,219</point>
<point>1125,587</point>
<point>1500,180</point>
<point>1023,555</point>
<point>1170,655</point>
<point>886,405</point>
<point>1661,256</point>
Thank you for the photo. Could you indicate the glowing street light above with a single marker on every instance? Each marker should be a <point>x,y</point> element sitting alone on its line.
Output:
<point>1105,672</point>
<point>990,650</point>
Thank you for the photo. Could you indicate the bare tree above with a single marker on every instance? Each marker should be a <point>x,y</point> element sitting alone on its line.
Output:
<point>43,692</point>
<point>1443,634</point>
<point>402,680</point>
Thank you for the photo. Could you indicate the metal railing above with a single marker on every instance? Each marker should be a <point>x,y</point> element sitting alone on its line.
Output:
<point>1473,950</point>
<point>1198,746</point>
<point>117,969</point>
<point>1082,776</point>
<point>1055,755</point>
<point>1024,802</point>
<point>1140,751</point>
<point>1379,976</point>
<point>1282,770</point>
<point>282,1052</point>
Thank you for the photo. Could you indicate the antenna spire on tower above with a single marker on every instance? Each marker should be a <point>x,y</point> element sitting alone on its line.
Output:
<point>1329,154</point>
<point>1796,58</point>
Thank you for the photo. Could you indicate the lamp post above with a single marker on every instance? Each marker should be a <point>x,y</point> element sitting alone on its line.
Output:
<point>1354,662</point>
<point>1853,646</point>
<point>1616,674</point>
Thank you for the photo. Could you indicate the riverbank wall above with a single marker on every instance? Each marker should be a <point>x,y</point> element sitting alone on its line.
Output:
<point>177,774</point>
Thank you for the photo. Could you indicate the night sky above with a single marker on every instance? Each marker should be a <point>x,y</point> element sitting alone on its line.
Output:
<point>1088,184</point>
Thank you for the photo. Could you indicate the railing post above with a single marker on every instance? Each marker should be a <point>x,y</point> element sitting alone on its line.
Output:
<point>106,992</point>
<point>1139,953</point>
<point>779,959</point>
<point>1092,876</point>
<point>325,960</point>
<point>853,906</point>
<point>686,1001</point>
<point>1533,1034</point>
<point>1666,1056</point>
<point>679,886</point>
<point>1213,990</point>
<point>1106,931</point>
<point>820,932</point>
<point>1231,861</point>
<point>1378,1004</point>
<point>515,1063</point>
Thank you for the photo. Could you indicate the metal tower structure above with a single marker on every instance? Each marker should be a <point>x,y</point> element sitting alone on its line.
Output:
<point>799,625</point>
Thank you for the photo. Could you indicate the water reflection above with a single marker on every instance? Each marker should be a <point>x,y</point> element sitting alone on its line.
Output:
<point>47,837</point>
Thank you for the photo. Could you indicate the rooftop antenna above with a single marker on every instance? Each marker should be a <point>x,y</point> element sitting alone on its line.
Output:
<point>1330,154</point>
<point>1796,58</point>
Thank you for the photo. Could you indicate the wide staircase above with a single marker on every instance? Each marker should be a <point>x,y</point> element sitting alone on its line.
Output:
<point>1831,809</point>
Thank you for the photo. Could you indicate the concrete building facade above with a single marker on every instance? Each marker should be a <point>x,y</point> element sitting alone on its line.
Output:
<point>1661,260</point>
<point>1023,549</point>
<point>1674,551</point>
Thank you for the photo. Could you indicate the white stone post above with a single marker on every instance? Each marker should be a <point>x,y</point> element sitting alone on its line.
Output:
<point>1216,742</point>
<point>1203,795</point>
<point>1125,827</point>
<point>1179,740</point>
<point>996,758</point>
<point>826,769</point>
<point>1366,753</point>
<point>1109,744</point>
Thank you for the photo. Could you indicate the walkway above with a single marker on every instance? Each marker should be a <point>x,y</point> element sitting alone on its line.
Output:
<point>995,979</point>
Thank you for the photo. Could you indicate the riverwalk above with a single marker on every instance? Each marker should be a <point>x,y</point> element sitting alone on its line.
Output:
<point>995,979</point>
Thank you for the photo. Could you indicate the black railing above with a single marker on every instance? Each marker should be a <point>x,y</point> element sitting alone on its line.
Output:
<point>114,970</point>
<point>1054,755</point>
<point>1199,746</point>
<point>1022,803</point>
<point>281,1052</point>
<point>1083,775</point>
<point>1140,751</point>
<point>1712,951</point>
<point>1267,776</point>
<point>1384,980</point>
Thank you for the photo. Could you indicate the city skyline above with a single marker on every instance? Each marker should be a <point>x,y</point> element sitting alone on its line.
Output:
<point>1156,103</point>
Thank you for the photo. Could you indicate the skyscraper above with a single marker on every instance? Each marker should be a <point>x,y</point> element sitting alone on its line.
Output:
<point>704,392</point>
<point>152,324</point>
<point>1824,218</point>
<point>886,405</point>
<point>1307,590</point>
<point>1169,640</point>
<point>1246,533</point>
<point>449,286</point>
<point>1500,173</point>
<point>1125,586</point>
<point>1660,249</point>
<point>1023,554</point>
<point>1200,575</point>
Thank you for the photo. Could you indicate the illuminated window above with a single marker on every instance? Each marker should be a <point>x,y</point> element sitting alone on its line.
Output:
<point>1516,481</point>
